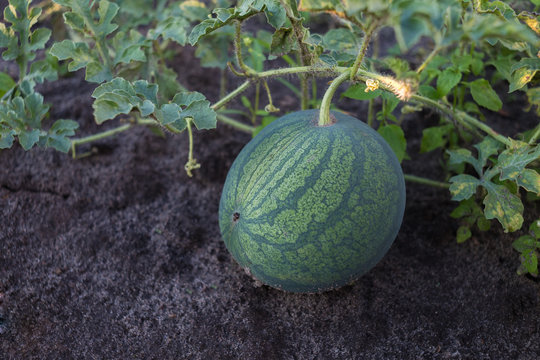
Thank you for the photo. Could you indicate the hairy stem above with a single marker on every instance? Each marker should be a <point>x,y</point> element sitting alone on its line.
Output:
<point>324,115</point>
<point>362,51</point>
<point>231,95</point>
<point>421,180</point>
<point>238,48</point>
<point>430,57</point>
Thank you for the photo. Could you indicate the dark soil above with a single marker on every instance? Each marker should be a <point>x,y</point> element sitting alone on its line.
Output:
<point>119,256</point>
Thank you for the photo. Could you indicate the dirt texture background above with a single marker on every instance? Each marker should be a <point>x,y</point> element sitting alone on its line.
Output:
<point>119,256</point>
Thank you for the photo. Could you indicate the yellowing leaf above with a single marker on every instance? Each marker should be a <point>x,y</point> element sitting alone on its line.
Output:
<point>504,206</point>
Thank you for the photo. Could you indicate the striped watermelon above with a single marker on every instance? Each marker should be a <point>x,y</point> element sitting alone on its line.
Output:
<point>308,208</point>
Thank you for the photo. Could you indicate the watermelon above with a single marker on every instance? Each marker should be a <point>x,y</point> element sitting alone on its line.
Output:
<point>309,208</point>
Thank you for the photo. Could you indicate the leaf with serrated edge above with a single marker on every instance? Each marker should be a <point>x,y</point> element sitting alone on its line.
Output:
<point>487,147</point>
<point>463,186</point>
<point>187,98</point>
<point>504,206</point>
<point>460,156</point>
<point>110,105</point>
<point>168,113</point>
<point>28,139</point>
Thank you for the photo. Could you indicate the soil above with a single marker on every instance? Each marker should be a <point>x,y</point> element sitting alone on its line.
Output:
<point>119,256</point>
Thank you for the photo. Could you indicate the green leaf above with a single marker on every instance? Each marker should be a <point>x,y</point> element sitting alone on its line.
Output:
<point>358,92</point>
<point>525,243</point>
<point>28,138</point>
<point>463,186</point>
<point>129,47</point>
<point>58,134</point>
<point>512,163</point>
<point>38,39</point>
<point>529,63</point>
<point>275,13</point>
<point>504,206</point>
<point>447,80</point>
<point>83,9</point>
<point>483,223</point>
<point>429,91</point>
<point>461,156</point>
<point>463,233</point>
<point>6,137</point>
<point>168,114</point>
<point>484,95</point>
<point>487,147</point>
<point>466,208</point>
<point>186,98</point>
<point>81,57</point>
<point>533,95</point>
<point>319,5</point>
<point>6,83</point>
<point>111,105</point>
<point>534,229</point>
<point>435,137</point>
<point>395,137</point>
<point>529,179</point>
<point>530,261</point>
<point>173,28</point>
<point>203,116</point>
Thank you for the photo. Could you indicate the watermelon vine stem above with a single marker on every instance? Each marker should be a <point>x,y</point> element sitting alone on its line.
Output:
<point>324,114</point>
<point>236,124</point>
<point>424,181</point>
<point>191,163</point>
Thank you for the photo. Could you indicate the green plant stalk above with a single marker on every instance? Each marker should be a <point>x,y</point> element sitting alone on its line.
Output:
<point>236,124</point>
<point>362,51</point>
<point>256,106</point>
<point>265,84</point>
<point>191,163</point>
<point>238,49</point>
<point>324,115</point>
<point>535,136</point>
<point>424,181</point>
<point>222,84</point>
<point>231,95</point>
<point>370,114</point>
<point>430,57</point>
<point>101,135</point>
<point>465,119</point>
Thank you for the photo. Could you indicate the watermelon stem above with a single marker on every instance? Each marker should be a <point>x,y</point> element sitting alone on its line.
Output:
<point>424,181</point>
<point>324,114</point>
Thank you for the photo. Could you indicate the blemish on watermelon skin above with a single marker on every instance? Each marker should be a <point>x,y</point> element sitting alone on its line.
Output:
<point>320,205</point>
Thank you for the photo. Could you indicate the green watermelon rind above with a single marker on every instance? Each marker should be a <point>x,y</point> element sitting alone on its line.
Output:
<point>301,209</point>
